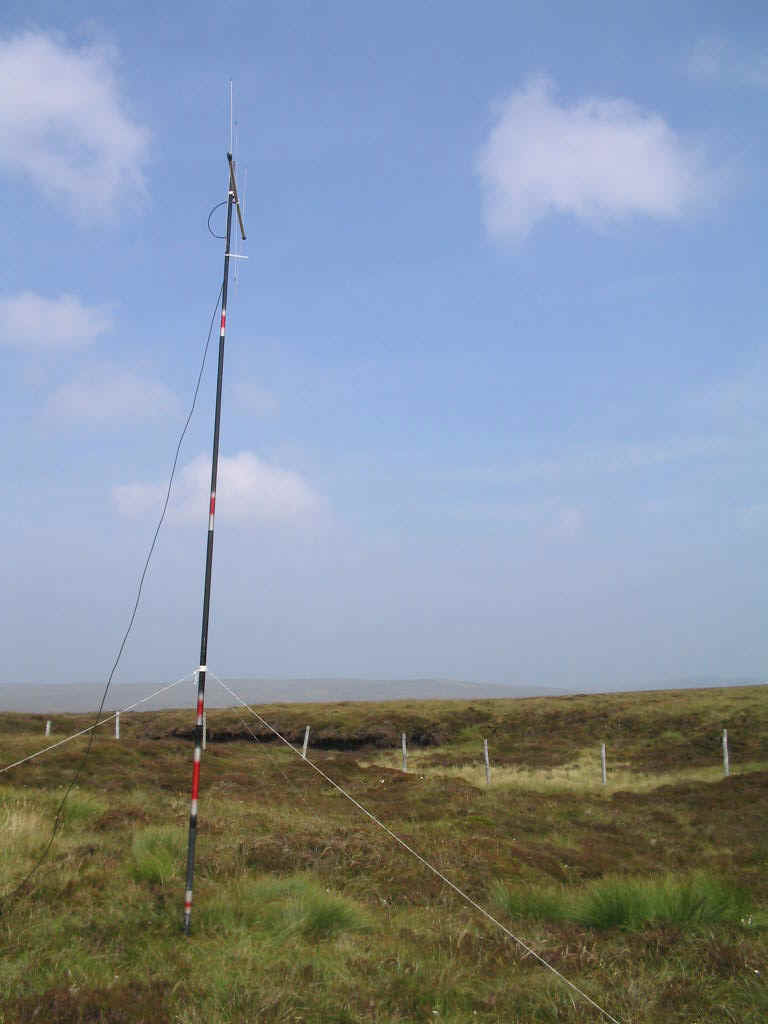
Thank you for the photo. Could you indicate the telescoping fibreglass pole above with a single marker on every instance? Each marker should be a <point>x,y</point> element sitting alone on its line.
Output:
<point>232,201</point>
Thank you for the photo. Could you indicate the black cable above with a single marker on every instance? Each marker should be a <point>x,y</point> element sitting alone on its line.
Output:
<point>216,207</point>
<point>79,770</point>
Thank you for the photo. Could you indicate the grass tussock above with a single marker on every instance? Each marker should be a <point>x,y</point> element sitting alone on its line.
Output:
<point>20,819</point>
<point>23,832</point>
<point>630,903</point>
<point>26,820</point>
<point>81,807</point>
<point>281,908</point>
<point>156,854</point>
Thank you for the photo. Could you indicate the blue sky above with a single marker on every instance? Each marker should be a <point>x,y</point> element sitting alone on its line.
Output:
<point>496,364</point>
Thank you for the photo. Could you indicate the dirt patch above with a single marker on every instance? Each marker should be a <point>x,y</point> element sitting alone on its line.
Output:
<point>121,817</point>
<point>123,1004</point>
<point>749,790</point>
<point>384,737</point>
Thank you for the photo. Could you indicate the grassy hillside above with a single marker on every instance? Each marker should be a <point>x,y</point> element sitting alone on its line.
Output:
<point>650,893</point>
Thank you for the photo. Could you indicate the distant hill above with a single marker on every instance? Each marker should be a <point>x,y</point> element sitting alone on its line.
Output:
<point>41,698</point>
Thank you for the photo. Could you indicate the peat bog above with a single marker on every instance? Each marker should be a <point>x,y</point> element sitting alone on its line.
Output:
<point>650,893</point>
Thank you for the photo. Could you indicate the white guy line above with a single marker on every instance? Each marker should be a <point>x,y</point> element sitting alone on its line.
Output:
<point>95,725</point>
<point>405,846</point>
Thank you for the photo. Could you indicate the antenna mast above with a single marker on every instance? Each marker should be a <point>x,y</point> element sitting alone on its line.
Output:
<point>232,201</point>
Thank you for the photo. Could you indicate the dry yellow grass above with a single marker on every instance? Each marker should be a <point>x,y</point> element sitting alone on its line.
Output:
<point>583,774</point>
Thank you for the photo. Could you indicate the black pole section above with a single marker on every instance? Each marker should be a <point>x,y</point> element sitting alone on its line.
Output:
<point>231,201</point>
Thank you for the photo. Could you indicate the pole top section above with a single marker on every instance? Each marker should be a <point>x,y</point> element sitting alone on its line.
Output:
<point>233,190</point>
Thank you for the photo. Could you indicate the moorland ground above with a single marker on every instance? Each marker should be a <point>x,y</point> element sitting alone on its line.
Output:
<point>650,893</point>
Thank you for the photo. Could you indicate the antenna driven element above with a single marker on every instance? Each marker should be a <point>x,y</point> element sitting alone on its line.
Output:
<point>231,118</point>
<point>232,202</point>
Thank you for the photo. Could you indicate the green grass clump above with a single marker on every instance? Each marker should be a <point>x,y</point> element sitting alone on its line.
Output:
<point>615,903</point>
<point>284,907</point>
<point>81,808</point>
<point>531,902</point>
<point>156,854</point>
<point>316,914</point>
<point>700,899</point>
<point>628,903</point>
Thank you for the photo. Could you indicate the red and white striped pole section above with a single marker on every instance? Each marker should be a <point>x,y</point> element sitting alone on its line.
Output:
<point>201,672</point>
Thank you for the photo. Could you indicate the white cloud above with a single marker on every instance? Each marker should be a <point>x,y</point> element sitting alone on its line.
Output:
<point>32,321</point>
<point>249,490</point>
<point>597,160</point>
<point>64,126</point>
<point>713,57</point>
<point>104,393</point>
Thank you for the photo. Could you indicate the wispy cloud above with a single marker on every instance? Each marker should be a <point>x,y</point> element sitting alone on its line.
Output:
<point>106,393</point>
<point>598,160</point>
<point>715,58</point>
<point>553,518</point>
<point>32,321</point>
<point>588,461</point>
<point>601,461</point>
<point>249,490</point>
<point>65,126</point>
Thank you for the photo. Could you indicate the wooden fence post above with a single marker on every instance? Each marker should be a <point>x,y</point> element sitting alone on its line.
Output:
<point>117,725</point>
<point>726,762</point>
<point>48,727</point>
<point>487,763</point>
<point>306,743</point>
<point>603,764</point>
<point>405,755</point>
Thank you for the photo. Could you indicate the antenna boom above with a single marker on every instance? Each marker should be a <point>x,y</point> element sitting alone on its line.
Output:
<point>233,189</point>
